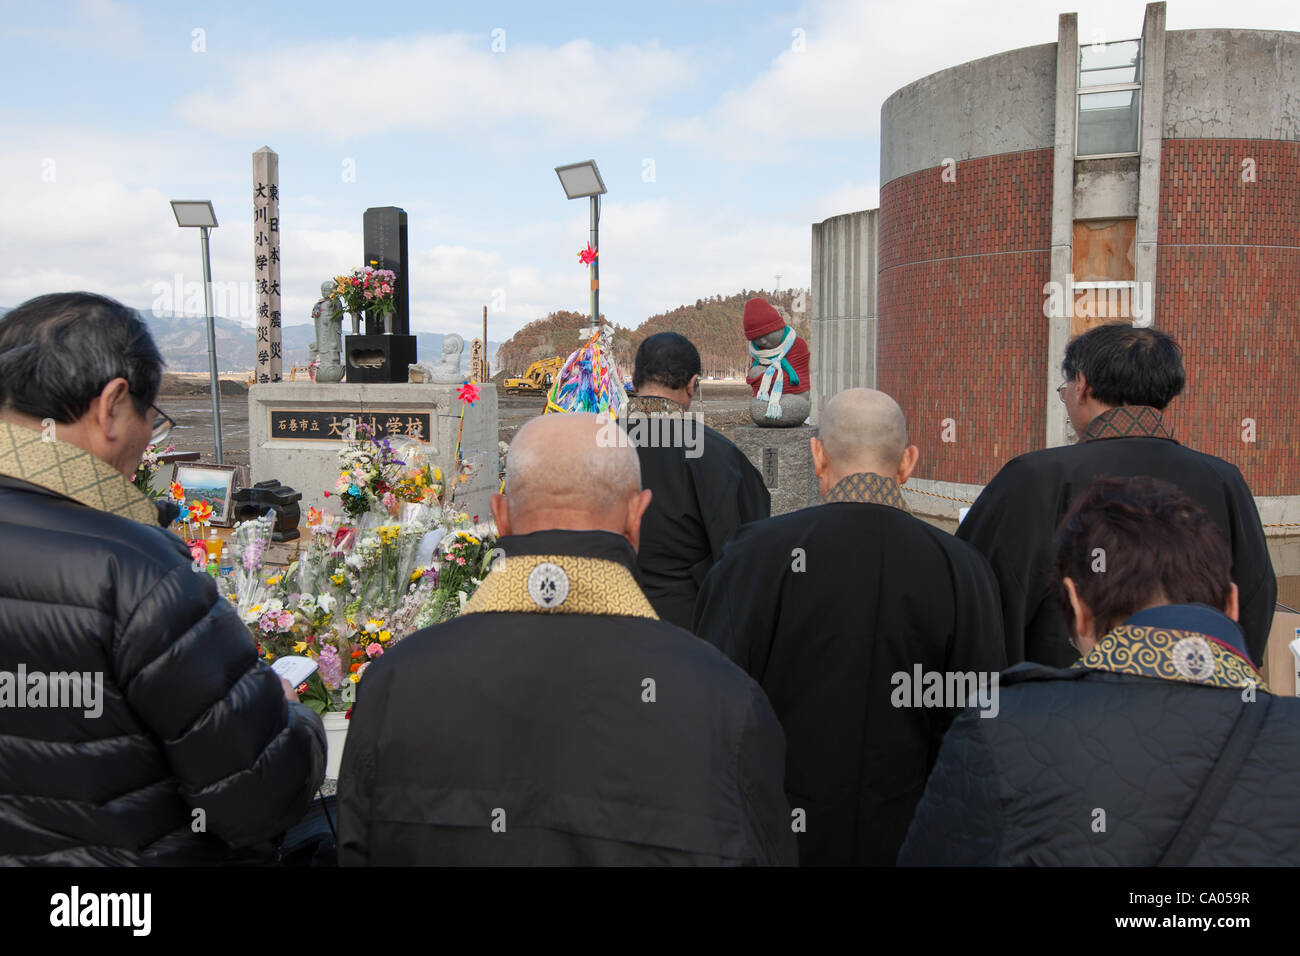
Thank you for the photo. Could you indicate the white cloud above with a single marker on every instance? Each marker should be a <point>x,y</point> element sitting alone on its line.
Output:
<point>448,83</point>
<point>856,55</point>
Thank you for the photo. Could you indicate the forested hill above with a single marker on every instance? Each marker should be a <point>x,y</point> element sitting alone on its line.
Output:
<point>714,324</point>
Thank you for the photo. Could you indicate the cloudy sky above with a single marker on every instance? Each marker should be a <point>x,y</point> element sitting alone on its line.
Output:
<point>722,129</point>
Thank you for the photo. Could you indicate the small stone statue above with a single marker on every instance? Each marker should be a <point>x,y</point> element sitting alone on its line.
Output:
<point>329,336</point>
<point>778,371</point>
<point>447,370</point>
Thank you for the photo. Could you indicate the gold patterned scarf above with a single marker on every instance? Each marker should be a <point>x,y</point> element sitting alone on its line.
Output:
<point>1128,421</point>
<point>652,405</point>
<point>559,584</point>
<point>71,471</point>
<point>868,488</point>
<point>1168,654</point>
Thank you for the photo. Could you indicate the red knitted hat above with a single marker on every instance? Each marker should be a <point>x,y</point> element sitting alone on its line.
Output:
<point>761,318</point>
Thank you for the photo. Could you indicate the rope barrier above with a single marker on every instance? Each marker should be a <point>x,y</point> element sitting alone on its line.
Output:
<point>918,491</point>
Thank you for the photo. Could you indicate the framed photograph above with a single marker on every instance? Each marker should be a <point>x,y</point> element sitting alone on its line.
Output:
<point>214,484</point>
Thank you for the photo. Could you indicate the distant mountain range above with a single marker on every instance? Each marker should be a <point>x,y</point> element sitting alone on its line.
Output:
<point>183,342</point>
<point>714,324</point>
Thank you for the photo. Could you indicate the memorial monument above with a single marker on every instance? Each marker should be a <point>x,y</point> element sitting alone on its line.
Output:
<point>387,349</point>
<point>296,429</point>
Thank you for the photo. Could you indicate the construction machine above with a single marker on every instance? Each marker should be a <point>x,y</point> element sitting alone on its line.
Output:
<point>536,379</point>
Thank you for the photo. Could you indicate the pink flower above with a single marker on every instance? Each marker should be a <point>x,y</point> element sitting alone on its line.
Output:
<point>285,620</point>
<point>375,650</point>
<point>390,501</point>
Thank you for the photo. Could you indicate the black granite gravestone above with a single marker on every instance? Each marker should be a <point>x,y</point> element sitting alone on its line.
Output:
<point>383,230</point>
<point>376,356</point>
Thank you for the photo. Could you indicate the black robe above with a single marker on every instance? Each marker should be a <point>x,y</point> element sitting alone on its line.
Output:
<point>1015,519</point>
<point>517,734</point>
<point>823,607</point>
<point>699,501</point>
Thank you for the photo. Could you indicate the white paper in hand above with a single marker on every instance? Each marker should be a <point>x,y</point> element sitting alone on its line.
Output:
<point>294,669</point>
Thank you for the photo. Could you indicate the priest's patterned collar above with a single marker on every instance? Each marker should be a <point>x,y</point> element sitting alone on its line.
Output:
<point>653,405</point>
<point>563,572</point>
<point>1128,421</point>
<point>1169,654</point>
<point>71,471</point>
<point>868,488</point>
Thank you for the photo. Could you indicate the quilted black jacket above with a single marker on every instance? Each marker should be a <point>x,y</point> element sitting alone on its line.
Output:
<point>191,720</point>
<point>1074,751</point>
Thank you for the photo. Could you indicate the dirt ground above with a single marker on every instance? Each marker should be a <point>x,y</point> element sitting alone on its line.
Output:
<point>186,398</point>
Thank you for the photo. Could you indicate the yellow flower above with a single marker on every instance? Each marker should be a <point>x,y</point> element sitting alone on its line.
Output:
<point>272,582</point>
<point>437,474</point>
<point>384,636</point>
<point>255,609</point>
<point>354,678</point>
<point>415,575</point>
<point>336,578</point>
<point>300,647</point>
<point>466,536</point>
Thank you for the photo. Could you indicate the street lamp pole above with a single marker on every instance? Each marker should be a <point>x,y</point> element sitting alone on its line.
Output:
<point>212,343</point>
<point>198,214</point>
<point>583,180</point>
<point>595,263</point>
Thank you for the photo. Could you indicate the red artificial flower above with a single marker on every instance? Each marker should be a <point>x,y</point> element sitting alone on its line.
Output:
<point>468,393</point>
<point>348,715</point>
<point>358,652</point>
<point>354,668</point>
<point>302,688</point>
<point>587,256</point>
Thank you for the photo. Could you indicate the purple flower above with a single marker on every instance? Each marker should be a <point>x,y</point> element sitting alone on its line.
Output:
<point>331,668</point>
<point>253,555</point>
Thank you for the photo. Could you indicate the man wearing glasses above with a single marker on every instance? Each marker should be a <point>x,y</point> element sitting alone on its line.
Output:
<point>168,742</point>
<point>1118,382</point>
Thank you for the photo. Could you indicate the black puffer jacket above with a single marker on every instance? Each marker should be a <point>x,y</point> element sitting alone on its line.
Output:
<point>191,720</point>
<point>1084,767</point>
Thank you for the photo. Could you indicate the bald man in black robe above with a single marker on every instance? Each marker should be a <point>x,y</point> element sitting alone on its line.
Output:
<point>557,721</point>
<point>867,628</point>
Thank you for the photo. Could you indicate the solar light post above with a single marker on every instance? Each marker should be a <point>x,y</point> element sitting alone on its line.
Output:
<point>198,214</point>
<point>579,180</point>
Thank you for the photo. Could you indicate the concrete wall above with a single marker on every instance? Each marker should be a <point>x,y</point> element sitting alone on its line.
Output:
<point>999,104</point>
<point>1232,84</point>
<point>843,307</point>
<point>312,466</point>
<point>1106,188</point>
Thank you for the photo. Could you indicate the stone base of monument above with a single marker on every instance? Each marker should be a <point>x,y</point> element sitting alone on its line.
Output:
<point>784,459</point>
<point>296,429</point>
<point>378,358</point>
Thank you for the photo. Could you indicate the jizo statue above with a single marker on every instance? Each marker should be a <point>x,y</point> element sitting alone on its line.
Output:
<point>328,346</point>
<point>778,368</point>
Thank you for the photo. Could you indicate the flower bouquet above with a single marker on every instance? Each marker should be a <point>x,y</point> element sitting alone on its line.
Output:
<point>150,462</point>
<point>397,560</point>
<point>369,289</point>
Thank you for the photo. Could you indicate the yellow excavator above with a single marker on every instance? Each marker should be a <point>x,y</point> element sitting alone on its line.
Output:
<point>537,377</point>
